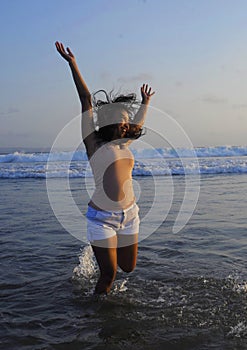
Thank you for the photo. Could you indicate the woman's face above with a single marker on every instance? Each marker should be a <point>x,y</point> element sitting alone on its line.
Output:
<point>122,124</point>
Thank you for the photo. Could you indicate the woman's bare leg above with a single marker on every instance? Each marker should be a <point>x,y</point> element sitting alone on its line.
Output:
<point>105,252</point>
<point>127,252</point>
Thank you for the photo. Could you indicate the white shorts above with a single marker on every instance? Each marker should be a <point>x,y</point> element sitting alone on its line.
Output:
<point>103,224</point>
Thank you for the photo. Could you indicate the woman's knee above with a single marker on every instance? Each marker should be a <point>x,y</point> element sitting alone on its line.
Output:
<point>126,257</point>
<point>127,267</point>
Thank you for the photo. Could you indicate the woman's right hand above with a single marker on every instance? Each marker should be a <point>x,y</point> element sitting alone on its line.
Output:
<point>67,55</point>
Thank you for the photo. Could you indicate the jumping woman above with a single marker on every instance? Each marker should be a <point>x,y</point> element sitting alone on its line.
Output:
<point>112,215</point>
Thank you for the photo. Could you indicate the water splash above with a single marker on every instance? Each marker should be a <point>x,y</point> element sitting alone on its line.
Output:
<point>238,331</point>
<point>238,285</point>
<point>87,268</point>
<point>120,286</point>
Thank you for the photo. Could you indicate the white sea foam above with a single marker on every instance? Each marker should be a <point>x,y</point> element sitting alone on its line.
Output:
<point>149,162</point>
<point>201,152</point>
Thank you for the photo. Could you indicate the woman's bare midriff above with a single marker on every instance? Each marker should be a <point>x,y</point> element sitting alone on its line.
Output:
<point>117,187</point>
<point>91,204</point>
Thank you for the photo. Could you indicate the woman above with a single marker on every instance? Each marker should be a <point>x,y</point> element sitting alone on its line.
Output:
<point>112,216</point>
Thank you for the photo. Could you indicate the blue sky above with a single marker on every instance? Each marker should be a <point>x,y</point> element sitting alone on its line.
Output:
<point>192,52</point>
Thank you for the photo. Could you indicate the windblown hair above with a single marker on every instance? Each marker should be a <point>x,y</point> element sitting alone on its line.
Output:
<point>105,109</point>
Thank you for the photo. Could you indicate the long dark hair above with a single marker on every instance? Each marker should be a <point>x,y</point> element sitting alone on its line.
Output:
<point>105,108</point>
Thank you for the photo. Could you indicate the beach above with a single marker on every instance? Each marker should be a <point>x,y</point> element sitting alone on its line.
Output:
<point>188,291</point>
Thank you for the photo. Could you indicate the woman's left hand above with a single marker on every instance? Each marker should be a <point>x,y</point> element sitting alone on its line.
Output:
<point>67,55</point>
<point>146,93</point>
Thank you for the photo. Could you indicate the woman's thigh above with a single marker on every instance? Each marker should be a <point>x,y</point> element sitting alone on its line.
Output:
<point>105,252</point>
<point>127,251</point>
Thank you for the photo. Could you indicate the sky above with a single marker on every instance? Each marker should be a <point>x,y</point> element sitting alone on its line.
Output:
<point>193,53</point>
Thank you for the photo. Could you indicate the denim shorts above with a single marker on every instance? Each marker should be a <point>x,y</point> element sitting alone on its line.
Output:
<point>103,224</point>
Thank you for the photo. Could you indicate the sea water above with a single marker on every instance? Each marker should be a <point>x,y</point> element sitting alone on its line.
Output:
<point>159,161</point>
<point>188,291</point>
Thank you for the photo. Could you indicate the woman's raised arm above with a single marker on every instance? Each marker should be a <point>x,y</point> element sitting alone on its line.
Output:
<point>81,86</point>
<point>85,98</point>
<point>146,93</point>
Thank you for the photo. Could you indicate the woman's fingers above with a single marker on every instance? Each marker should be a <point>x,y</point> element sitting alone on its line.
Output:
<point>67,55</point>
<point>59,47</point>
<point>147,90</point>
<point>70,52</point>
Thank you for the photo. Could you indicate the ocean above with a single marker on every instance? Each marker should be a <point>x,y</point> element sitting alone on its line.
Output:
<point>189,289</point>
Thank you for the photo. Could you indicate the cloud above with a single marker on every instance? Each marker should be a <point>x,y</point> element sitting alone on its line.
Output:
<point>10,138</point>
<point>13,134</point>
<point>144,77</point>
<point>179,83</point>
<point>242,118</point>
<point>9,112</point>
<point>105,75</point>
<point>214,99</point>
<point>239,106</point>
